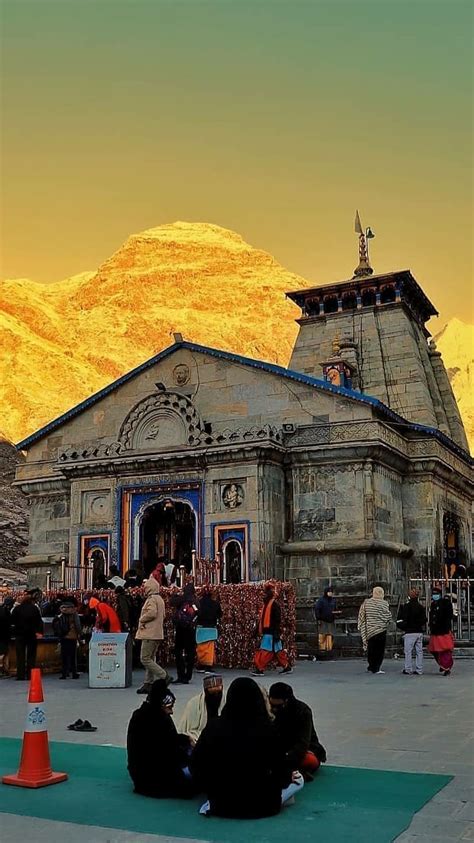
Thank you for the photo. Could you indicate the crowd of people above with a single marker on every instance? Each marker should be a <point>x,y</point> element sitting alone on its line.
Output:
<point>269,740</point>
<point>375,618</point>
<point>196,623</point>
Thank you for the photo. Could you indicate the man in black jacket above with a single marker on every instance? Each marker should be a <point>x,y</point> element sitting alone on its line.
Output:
<point>412,621</point>
<point>28,624</point>
<point>295,729</point>
<point>208,617</point>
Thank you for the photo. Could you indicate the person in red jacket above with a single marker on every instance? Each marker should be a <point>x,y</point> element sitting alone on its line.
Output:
<point>107,619</point>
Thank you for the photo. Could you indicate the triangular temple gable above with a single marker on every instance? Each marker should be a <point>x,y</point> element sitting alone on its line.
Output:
<point>191,398</point>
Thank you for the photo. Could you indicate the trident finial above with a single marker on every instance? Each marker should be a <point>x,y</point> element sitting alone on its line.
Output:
<point>364,267</point>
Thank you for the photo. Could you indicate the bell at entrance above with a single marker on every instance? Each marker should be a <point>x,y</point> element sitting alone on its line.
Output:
<point>168,532</point>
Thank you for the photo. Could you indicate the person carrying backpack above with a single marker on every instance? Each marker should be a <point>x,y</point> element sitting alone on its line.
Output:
<point>185,620</point>
<point>67,627</point>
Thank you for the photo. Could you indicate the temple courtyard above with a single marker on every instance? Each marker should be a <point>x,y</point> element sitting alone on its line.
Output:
<point>396,723</point>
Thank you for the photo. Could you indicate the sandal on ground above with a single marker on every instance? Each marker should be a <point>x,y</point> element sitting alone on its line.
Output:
<point>73,726</point>
<point>85,727</point>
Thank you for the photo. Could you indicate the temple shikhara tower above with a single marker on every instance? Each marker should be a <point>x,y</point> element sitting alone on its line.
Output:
<point>349,466</point>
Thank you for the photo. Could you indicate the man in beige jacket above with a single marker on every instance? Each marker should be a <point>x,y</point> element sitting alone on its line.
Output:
<point>150,633</point>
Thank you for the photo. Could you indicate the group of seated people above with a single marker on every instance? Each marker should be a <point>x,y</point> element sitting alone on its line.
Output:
<point>248,751</point>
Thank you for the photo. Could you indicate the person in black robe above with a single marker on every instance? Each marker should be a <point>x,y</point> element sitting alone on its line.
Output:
<point>238,761</point>
<point>295,728</point>
<point>157,755</point>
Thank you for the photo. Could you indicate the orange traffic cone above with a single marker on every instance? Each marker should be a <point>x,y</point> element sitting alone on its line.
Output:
<point>35,765</point>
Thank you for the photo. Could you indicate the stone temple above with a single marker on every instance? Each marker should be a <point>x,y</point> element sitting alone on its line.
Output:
<point>350,466</point>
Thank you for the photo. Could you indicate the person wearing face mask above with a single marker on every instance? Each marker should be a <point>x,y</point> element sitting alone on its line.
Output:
<point>441,643</point>
<point>157,755</point>
<point>325,614</point>
<point>203,707</point>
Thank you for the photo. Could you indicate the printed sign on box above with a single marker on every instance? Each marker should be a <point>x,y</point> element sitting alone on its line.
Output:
<point>110,660</point>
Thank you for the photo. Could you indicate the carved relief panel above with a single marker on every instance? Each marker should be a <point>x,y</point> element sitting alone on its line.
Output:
<point>162,420</point>
<point>96,506</point>
<point>229,495</point>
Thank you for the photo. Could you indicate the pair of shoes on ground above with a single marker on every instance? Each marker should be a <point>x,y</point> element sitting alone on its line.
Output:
<point>412,672</point>
<point>257,672</point>
<point>82,726</point>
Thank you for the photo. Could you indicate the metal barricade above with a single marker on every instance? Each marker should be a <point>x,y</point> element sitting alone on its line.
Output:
<point>78,577</point>
<point>459,591</point>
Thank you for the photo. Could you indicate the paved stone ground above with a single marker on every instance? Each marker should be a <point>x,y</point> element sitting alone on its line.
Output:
<point>390,722</point>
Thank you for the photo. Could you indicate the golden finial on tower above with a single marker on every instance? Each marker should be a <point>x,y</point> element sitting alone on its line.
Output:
<point>336,346</point>
<point>364,267</point>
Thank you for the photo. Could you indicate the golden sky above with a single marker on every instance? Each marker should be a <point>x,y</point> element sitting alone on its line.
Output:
<point>275,118</point>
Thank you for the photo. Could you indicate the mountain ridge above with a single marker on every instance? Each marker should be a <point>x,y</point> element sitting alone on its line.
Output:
<point>200,279</point>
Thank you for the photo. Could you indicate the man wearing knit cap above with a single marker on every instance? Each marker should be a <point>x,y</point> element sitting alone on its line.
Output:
<point>412,621</point>
<point>374,618</point>
<point>157,755</point>
<point>203,707</point>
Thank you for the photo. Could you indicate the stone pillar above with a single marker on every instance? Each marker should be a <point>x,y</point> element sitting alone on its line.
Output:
<point>369,524</point>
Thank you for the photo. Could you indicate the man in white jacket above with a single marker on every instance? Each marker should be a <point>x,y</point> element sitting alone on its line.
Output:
<point>203,707</point>
<point>150,633</point>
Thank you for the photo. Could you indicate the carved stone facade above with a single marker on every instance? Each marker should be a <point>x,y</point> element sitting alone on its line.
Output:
<point>278,473</point>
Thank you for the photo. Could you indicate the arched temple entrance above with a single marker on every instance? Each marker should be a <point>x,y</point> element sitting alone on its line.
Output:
<point>97,561</point>
<point>168,531</point>
<point>233,558</point>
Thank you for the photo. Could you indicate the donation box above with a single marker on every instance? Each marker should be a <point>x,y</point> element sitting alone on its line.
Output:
<point>110,660</point>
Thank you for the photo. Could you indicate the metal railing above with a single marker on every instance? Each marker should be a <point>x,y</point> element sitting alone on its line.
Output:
<point>460,592</point>
<point>72,577</point>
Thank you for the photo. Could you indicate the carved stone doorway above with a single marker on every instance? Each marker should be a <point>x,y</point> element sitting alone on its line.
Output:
<point>98,562</point>
<point>168,532</point>
<point>233,562</point>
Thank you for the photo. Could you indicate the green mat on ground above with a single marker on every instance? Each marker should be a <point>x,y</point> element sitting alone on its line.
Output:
<point>343,803</point>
